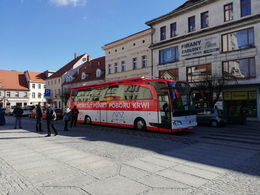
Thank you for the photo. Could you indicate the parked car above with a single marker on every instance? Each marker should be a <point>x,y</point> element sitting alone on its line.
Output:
<point>211,117</point>
<point>59,114</point>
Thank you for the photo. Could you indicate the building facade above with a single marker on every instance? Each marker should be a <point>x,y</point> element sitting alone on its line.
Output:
<point>64,74</point>
<point>129,57</point>
<point>213,38</point>
<point>13,89</point>
<point>37,83</point>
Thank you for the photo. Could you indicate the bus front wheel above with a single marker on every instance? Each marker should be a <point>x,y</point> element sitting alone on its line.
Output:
<point>87,120</point>
<point>140,124</point>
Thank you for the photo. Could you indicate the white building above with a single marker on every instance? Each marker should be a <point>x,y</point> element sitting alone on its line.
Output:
<point>37,83</point>
<point>213,38</point>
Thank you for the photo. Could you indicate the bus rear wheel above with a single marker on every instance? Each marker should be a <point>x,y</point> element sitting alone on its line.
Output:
<point>140,124</point>
<point>87,120</point>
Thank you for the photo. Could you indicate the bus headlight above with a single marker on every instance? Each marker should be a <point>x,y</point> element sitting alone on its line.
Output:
<point>177,123</point>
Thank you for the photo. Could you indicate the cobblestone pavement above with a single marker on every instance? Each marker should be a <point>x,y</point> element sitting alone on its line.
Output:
<point>105,160</point>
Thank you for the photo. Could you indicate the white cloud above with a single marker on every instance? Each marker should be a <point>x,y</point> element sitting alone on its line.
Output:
<point>74,3</point>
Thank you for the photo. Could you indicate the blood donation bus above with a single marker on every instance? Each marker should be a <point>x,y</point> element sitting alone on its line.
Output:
<point>143,103</point>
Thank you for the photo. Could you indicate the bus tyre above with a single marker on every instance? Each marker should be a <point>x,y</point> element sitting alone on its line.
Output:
<point>214,123</point>
<point>87,120</point>
<point>140,124</point>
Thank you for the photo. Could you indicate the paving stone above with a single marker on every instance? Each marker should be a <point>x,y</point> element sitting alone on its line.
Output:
<point>168,192</point>
<point>157,181</point>
<point>132,173</point>
<point>158,161</point>
<point>195,171</point>
<point>105,172</point>
<point>116,186</point>
<point>145,166</point>
<point>183,178</point>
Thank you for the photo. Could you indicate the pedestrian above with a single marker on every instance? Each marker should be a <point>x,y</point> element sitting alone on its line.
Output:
<point>18,113</point>
<point>66,118</point>
<point>74,116</point>
<point>50,118</point>
<point>38,112</point>
<point>2,116</point>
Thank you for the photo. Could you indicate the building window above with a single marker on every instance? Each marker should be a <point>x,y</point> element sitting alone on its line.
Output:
<point>204,19</point>
<point>59,93</point>
<point>8,94</point>
<point>39,95</point>
<point>17,94</point>
<point>39,86</point>
<point>109,69</point>
<point>169,55</point>
<point>238,40</point>
<point>134,60</point>
<point>199,73</point>
<point>98,73</point>
<point>245,7</point>
<point>123,66</point>
<point>116,68</point>
<point>191,23</point>
<point>173,29</point>
<point>33,94</point>
<point>33,86</point>
<point>44,86</point>
<point>25,94</point>
<point>163,33</point>
<point>144,61</point>
<point>228,12</point>
<point>239,69</point>
<point>83,75</point>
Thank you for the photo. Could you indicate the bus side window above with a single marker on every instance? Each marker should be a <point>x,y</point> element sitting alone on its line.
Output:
<point>143,93</point>
<point>129,92</point>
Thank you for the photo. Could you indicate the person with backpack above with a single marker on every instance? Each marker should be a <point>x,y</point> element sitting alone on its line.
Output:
<point>18,113</point>
<point>74,116</point>
<point>50,118</point>
<point>38,112</point>
<point>66,118</point>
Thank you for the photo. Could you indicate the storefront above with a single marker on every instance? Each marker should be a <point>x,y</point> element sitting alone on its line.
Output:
<point>240,105</point>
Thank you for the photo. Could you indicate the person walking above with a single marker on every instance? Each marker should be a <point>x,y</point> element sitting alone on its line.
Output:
<point>38,117</point>
<point>50,118</point>
<point>18,113</point>
<point>66,118</point>
<point>2,116</point>
<point>74,116</point>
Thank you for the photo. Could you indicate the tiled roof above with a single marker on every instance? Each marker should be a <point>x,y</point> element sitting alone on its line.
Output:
<point>66,68</point>
<point>89,68</point>
<point>37,76</point>
<point>13,80</point>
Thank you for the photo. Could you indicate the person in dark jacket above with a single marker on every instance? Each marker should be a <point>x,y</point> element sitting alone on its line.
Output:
<point>18,113</point>
<point>2,116</point>
<point>50,118</point>
<point>66,118</point>
<point>74,116</point>
<point>38,117</point>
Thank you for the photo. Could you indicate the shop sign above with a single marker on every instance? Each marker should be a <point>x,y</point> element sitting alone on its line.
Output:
<point>240,95</point>
<point>199,47</point>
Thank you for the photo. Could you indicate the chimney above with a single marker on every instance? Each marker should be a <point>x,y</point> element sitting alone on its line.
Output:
<point>75,55</point>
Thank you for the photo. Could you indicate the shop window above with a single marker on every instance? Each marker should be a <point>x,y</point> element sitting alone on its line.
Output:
<point>239,69</point>
<point>169,55</point>
<point>245,7</point>
<point>228,12</point>
<point>199,73</point>
<point>238,40</point>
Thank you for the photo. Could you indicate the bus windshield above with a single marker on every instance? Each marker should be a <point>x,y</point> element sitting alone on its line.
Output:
<point>182,99</point>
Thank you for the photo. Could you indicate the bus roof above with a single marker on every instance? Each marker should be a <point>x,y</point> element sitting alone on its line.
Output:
<point>134,79</point>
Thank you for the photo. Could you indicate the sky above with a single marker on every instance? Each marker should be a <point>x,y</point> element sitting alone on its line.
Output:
<point>39,35</point>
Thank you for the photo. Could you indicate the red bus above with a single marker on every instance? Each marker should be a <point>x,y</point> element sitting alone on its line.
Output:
<point>143,103</point>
